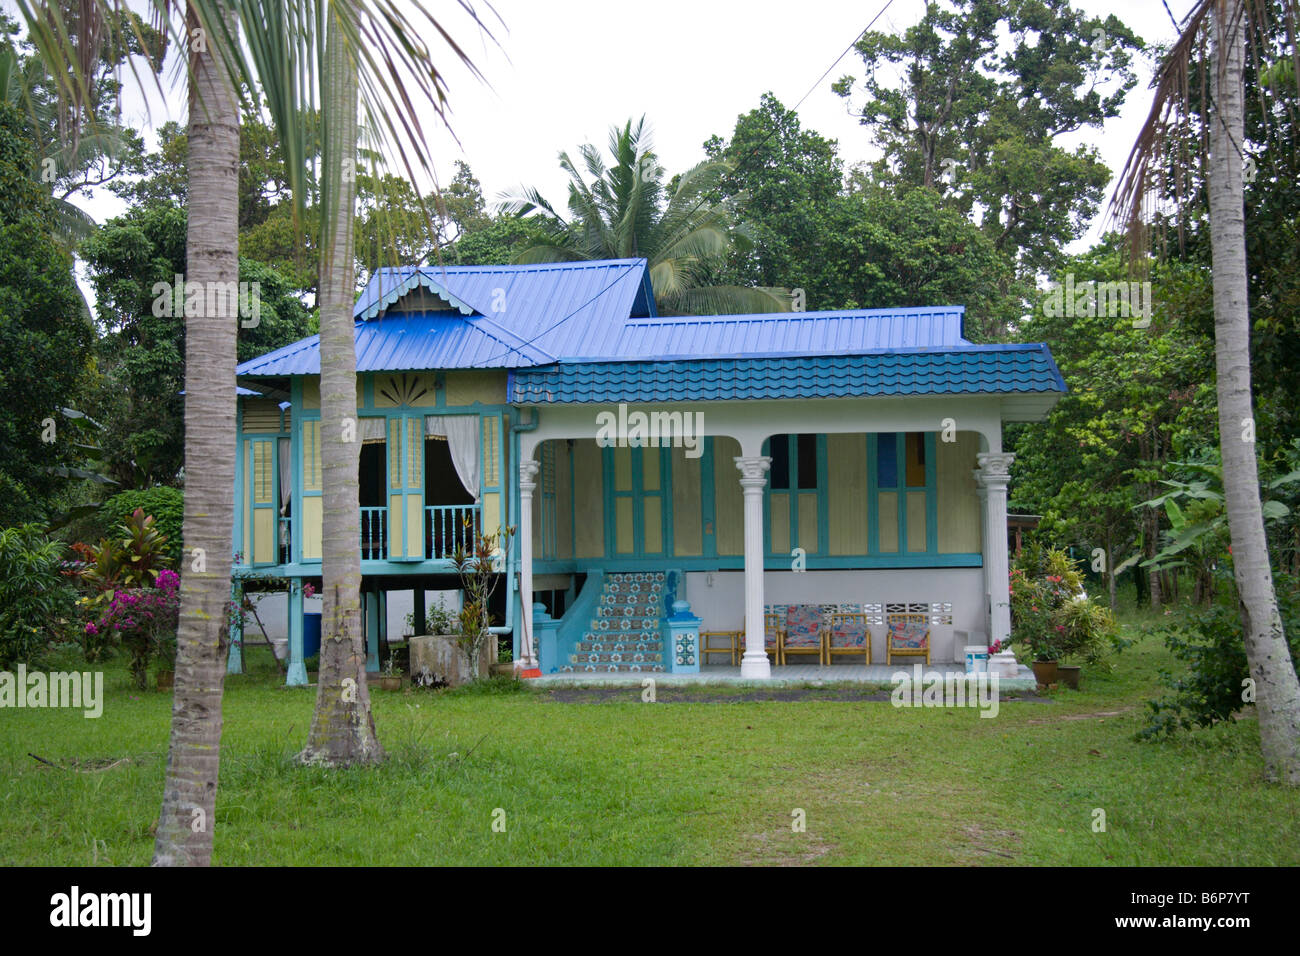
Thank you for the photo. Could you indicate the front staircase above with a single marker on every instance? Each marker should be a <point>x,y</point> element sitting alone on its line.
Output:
<point>625,635</point>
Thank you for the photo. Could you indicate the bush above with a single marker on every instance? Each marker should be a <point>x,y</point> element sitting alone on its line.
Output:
<point>1210,641</point>
<point>1050,614</point>
<point>166,505</point>
<point>36,599</point>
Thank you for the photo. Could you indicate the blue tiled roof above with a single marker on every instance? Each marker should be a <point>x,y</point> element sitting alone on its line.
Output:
<point>989,369</point>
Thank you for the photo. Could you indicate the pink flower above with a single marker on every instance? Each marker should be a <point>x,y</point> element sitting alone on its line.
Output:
<point>308,590</point>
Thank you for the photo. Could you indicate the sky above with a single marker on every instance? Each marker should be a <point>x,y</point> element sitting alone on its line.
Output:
<point>561,73</point>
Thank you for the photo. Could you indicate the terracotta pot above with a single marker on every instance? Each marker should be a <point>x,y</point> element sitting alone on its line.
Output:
<point>1069,675</point>
<point>1045,672</point>
<point>166,679</point>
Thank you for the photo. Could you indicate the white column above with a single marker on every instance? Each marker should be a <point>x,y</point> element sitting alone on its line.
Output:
<point>527,484</point>
<point>753,478</point>
<point>992,477</point>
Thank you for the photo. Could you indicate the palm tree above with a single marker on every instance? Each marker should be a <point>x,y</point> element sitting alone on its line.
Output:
<point>342,726</point>
<point>1271,667</point>
<point>627,211</point>
<point>399,79</point>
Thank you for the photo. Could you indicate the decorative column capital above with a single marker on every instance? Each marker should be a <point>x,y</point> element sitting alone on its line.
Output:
<point>528,476</point>
<point>753,472</point>
<point>994,471</point>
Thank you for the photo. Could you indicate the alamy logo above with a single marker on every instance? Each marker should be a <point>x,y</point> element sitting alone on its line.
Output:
<point>1114,300</point>
<point>936,689</point>
<point>640,429</point>
<point>84,690</point>
<point>179,299</point>
<point>102,909</point>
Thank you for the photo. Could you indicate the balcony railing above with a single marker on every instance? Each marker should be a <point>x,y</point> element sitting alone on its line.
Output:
<point>446,526</point>
<point>374,533</point>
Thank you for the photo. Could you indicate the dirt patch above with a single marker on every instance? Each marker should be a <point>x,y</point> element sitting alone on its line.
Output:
<point>784,849</point>
<point>1094,715</point>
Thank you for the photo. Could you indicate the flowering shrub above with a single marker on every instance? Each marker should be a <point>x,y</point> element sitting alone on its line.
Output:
<point>1050,613</point>
<point>143,619</point>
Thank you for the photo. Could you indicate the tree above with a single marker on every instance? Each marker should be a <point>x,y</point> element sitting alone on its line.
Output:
<point>133,261</point>
<point>627,211</point>
<point>975,118</point>
<point>1276,683</point>
<point>342,726</point>
<point>40,330</point>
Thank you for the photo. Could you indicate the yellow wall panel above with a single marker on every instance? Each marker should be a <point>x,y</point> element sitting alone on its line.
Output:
<point>888,516</point>
<point>916,521</point>
<point>264,535</point>
<point>623,525</point>
<point>415,526</point>
<point>780,522</point>
<point>650,467</point>
<point>468,387</point>
<point>311,392</point>
<point>846,460</point>
<point>311,467</point>
<point>728,499</point>
<point>563,501</point>
<point>492,513</point>
<point>260,416</point>
<point>808,522</point>
<point>622,468</point>
<point>396,540</point>
<point>311,525</point>
<point>589,496</point>
<point>652,528</point>
<point>958,505</point>
<point>688,537</point>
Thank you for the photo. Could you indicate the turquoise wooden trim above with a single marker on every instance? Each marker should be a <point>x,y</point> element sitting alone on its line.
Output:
<point>370,602</point>
<point>297,672</point>
<point>708,502</point>
<point>931,496</point>
<point>241,497</point>
<point>771,563</point>
<point>577,616</point>
<point>295,466</point>
<point>250,443</point>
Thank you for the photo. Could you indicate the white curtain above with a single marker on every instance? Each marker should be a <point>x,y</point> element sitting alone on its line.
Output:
<point>462,434</point>
<point>373,430</point>
<point>283,450</point>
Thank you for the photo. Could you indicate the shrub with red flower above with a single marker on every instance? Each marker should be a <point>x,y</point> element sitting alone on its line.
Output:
<point>143,619</point>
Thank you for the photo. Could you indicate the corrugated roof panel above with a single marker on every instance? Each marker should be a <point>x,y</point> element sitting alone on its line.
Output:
<point>973,369</point>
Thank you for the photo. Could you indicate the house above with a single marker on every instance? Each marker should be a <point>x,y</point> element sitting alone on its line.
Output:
<point>733,463</point>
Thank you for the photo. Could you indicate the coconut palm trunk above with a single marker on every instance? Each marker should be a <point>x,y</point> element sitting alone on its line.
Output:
<point>211,262</point>
<point>1277,688</point>
<point>342,727</point>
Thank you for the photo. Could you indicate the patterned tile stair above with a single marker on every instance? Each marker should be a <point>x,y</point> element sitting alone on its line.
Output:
<point>624,637</point>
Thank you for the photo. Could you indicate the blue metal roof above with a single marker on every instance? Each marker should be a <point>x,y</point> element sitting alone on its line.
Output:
<point>588,332</point>
<point>974,369</point>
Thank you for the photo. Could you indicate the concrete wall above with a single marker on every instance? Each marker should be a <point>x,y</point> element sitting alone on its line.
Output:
<point>719,598</point>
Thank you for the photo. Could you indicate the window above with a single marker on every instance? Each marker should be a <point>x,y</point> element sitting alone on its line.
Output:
<point>803,454</point>
<point>779,472</point>
<point>807,451</point>
<point>915,460</point>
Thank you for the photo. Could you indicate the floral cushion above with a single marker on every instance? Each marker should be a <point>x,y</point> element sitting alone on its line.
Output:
<point>803,626</point>
<point>849,632</point>
<point>909,635</point>
<point>769,631</point>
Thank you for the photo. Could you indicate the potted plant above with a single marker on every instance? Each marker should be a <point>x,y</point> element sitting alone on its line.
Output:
<point>390,678</point>
<point>1054,618</point>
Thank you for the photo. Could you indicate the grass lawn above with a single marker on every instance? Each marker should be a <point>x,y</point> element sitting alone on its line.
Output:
<point>617,781</point>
